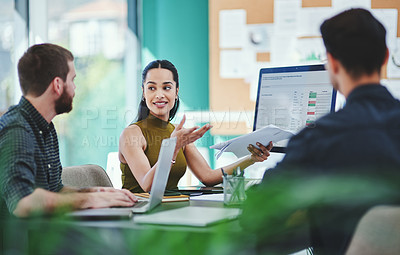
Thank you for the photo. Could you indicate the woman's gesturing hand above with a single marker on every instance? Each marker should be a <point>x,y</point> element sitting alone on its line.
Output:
<point>186,136</point>
<point>261,154</point>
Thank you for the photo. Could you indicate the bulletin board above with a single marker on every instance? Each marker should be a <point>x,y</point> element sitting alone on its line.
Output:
<point>232,94</point>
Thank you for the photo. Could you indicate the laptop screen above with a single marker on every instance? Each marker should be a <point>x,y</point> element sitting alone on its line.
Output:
<point>162,171</point>
<point>292,98</point>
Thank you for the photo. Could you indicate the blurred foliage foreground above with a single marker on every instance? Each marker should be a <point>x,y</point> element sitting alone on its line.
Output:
<point>274,220</point>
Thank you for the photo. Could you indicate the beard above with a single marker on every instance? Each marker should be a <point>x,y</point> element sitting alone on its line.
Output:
<point>64,103</point>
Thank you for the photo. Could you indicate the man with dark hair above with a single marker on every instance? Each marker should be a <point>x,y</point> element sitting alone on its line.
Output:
<point>366,130</point>
<point>359,142</point>
<point>30,167</point>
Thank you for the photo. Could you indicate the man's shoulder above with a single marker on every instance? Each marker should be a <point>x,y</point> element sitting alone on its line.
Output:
<point>316,136</point>
<point>345,122</point>
<point>13,118</point>
<point>331,121</point>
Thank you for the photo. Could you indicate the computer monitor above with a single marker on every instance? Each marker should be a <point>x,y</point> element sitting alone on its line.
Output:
<point>292,98</point>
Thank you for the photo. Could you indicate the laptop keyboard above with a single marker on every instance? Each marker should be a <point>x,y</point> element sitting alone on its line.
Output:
<point>140,204</point>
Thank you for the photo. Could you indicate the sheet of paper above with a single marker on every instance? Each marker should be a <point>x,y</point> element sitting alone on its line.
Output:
<point>393,86</point>
<point>232,28</point>
<point>286,15</point>
<point>209,197</point>
<point>393,68</point>
<point>235,63</point>
<point>388,17</point>
<point>264,135</point>
<point>310,19</point>
<point>253,76</point>
<point>341,5</point>
<point>282,49</point>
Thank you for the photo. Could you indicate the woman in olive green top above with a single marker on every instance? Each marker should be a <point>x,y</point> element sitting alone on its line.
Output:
<point>140,142</point>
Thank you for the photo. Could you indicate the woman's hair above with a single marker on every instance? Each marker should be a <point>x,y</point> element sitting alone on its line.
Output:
<point>144,111</point>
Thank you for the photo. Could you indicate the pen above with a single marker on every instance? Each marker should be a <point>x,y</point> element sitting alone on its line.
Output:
<point>223,172</point>
<point>241,173</point>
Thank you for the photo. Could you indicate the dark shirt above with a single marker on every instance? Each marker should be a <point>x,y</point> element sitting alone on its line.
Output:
<point>29,154</point>
<point>361,139</point>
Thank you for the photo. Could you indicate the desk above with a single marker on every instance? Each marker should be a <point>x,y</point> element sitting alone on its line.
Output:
<point>56,235</point>
<point>130,224</point>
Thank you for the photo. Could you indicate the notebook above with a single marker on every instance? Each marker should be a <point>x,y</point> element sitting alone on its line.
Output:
<point>189,216</point>
<point>190,190</point>
<point>177,198</point>
<point>156,194</point>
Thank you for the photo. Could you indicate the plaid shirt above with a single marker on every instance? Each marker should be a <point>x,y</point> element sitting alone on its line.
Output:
<point>29,156</point>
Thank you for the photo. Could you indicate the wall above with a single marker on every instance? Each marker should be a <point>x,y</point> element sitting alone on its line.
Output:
<point>177,30</point>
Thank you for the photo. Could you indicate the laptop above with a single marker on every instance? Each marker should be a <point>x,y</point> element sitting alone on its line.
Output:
<point>160,177</point>
<point>156,194</point>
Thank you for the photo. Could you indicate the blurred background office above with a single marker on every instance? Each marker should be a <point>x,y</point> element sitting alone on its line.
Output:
<point>218,47</point>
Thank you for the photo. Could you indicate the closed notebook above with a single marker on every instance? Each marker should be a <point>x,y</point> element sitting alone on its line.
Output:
<point>190,216</point>
<point>165,198</point>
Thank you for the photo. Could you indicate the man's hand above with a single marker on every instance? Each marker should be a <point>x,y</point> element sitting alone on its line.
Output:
<point>108,197</point>
<point>43,202</point>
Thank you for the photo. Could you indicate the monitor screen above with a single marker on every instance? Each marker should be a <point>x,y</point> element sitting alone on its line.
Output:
<point>292,98</point>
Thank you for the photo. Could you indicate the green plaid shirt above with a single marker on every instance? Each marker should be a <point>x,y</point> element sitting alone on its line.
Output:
<point>29,154</point>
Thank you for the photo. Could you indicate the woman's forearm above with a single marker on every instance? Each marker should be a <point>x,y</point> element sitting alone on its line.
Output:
<point>242,163</point>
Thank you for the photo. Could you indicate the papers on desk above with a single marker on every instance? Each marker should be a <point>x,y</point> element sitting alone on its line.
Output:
<point>165,199</point>
<point>209,197</point>
<point>189,216</point>
<point>239,144</point>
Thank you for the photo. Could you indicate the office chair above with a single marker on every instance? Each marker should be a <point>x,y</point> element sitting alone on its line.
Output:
<point>113,169</point>
<point>85,176</point>
<point>378,232</point>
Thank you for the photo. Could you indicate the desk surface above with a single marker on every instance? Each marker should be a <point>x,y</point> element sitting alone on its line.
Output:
<point>130,223</point>
<point>57,235</point>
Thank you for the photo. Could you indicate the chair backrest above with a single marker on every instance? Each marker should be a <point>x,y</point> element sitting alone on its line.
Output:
<point>378,232</point>
<point>85,176</point>
<point>113,169</point>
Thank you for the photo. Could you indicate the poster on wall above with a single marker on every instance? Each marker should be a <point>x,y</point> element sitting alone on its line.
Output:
<point>232,28</point>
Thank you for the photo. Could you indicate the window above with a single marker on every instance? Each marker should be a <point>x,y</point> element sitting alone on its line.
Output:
<point>94,31</point>
<point>7,78</point>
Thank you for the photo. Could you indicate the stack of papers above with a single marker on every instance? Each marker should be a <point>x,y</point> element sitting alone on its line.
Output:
<point>239,144</point>
<point>165,198</point>
<point>209,197</point>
